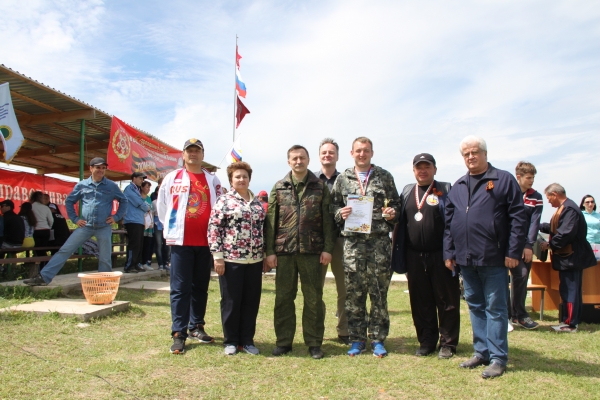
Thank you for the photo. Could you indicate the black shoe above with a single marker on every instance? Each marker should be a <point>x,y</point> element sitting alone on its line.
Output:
<point>178,346</point>
<point>316,352</point>
<point>281,350</point>
<point>344,339</point>
<point>138,268</point>
<point>424,351</point>
<point>474,362</point>
<point>493,371</point>
<point>201,336</point>
<point>445,353</point>
<point>527,323</point>
<point>37,281</point>
<point>130,271</point>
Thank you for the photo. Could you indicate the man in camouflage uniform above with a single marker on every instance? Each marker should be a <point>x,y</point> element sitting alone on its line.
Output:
<point>367,256</point>
<point>299,238</point>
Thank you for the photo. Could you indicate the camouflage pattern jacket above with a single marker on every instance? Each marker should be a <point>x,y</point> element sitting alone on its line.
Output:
<point>299,225</point>
<point>380,185</point>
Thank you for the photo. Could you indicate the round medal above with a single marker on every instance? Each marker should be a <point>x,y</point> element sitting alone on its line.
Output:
<point>432,200</point>
<point>418,216</point>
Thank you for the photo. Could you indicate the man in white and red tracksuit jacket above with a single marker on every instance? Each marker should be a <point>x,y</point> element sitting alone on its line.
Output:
<point>184,203</point>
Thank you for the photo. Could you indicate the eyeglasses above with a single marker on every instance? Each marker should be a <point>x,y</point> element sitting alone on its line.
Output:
<point>471,154</point>
<point>589,202</point>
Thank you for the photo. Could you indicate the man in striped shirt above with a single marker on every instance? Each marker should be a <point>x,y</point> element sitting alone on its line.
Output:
<point>533,203</point>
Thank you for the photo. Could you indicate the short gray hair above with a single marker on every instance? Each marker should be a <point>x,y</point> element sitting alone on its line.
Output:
<point>472,140</point>
<point>329,141</point>
<point>555,188</point>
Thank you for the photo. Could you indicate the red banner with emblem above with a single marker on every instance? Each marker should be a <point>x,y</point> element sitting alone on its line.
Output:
<point>18,186</point>
<point>132,151</point>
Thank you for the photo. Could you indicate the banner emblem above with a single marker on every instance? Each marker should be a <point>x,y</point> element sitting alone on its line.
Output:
<point>120,145</point>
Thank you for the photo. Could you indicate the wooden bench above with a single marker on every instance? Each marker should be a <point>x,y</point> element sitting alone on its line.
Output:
<point>13,259</point>
<point>541,288</point>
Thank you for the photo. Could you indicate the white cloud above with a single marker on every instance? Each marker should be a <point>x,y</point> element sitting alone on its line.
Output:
<point>412,76</point>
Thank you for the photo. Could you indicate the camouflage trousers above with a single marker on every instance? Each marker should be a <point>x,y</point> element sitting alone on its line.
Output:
<point>367,270</point>
<point>286,287</point>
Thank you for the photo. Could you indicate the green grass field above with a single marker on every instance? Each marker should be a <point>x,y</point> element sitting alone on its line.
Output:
<point>127,356</point>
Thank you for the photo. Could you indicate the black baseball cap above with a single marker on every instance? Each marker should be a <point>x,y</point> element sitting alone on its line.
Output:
<point>98,161</point>
<point>138,174</point>
<point>8,203</point>
<point>424,157</point>
<point>193,142</point>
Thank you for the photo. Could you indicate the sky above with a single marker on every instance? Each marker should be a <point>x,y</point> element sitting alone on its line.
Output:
<point>412,76</point>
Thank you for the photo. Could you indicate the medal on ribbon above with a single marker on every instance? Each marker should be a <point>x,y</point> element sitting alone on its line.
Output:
<point>419,215</point>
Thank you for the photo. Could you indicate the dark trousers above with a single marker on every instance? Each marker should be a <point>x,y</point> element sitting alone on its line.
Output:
<point>148,244</point>
<point>190,276</point>
<point>158,246</point>
<point>135,244</point>
<point>42,239</point>
<point>571,295</point>
<point>518,290</point>
<point>241,286</point>
<point>434,299</point>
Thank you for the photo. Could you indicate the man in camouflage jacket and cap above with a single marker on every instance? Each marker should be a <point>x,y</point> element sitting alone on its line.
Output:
<point>299,238</point>
<point>367,256</point>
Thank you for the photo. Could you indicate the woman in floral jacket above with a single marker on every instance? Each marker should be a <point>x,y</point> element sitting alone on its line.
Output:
<point>235,237</point>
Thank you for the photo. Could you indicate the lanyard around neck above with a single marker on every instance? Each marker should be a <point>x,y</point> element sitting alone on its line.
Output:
<point>363,190</point>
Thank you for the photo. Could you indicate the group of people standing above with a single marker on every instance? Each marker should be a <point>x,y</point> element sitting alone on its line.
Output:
<point>144,229</point>
<point>484,224</point>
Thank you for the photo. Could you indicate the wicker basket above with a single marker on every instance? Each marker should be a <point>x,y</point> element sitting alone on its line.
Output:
<point>100,287</point>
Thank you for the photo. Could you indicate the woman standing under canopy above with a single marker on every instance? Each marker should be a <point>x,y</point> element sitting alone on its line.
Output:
<point>592,219</point>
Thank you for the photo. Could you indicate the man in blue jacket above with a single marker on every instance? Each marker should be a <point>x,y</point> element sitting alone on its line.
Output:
<point>484,235</point>
<point>97,194</point>
<point>418,251</point>
<point>134,223</point>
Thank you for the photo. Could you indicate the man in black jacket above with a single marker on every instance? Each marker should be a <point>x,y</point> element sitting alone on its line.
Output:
<point>571,253</point>
<point>14,227</point>
<point>418,251</point>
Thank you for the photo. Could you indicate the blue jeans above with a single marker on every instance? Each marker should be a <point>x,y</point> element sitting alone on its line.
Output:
<point>190,276</point>
<point>78,237</point>
<point>486,295</point>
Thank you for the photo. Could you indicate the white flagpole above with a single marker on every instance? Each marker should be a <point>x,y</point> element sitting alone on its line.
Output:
<point>234,85</point>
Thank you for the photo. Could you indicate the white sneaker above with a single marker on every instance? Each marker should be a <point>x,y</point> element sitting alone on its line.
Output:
<point>148,267</point>
<point>230,350</point>
<point>510,326</point>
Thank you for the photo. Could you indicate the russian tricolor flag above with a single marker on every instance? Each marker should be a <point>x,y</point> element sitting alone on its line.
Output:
<point>240,86</point>
<point>236,155</point>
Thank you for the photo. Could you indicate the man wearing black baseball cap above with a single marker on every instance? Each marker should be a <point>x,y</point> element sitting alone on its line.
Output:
<point>97,195</point>
<point>184,203</point>
<point>418,251</point>
<point>134,223</point>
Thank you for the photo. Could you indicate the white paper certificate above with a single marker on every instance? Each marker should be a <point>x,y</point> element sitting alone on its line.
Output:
<point>361,216</point>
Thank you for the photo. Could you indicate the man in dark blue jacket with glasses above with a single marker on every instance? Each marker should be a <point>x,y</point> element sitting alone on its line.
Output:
<point>485,234</point>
